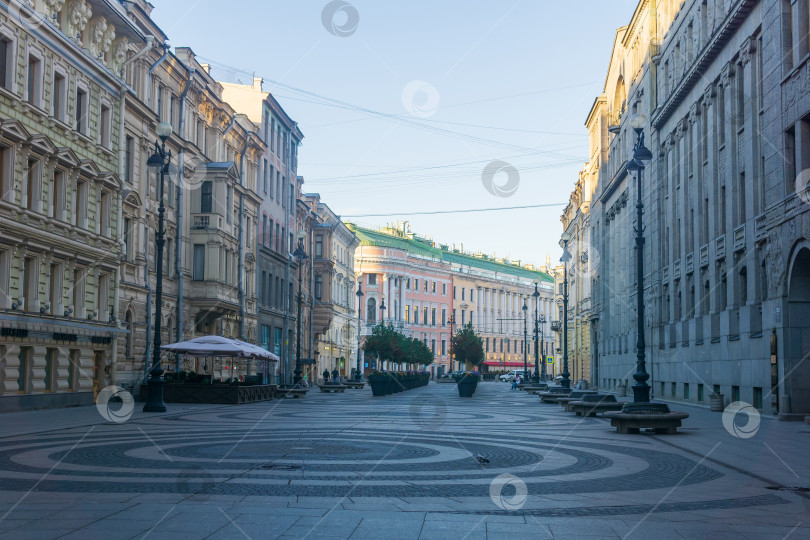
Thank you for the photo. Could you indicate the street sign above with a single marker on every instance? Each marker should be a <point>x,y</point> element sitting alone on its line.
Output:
<point>549,359</point>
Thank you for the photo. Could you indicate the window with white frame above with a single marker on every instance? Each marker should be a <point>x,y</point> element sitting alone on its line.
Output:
<point>33,89</point>
<point>59,96</point>
<point>105,126</point>
<point>7,55</point>
<point>5,279</point>
<point>33,192</point>
<point>6,173</point>
<point>58,195</point>
<point>81,109</point>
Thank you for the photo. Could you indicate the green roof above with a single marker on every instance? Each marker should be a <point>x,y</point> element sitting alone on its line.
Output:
<point>426,248</point>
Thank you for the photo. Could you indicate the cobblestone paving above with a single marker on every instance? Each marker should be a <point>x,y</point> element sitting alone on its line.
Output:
<point>403,466</point>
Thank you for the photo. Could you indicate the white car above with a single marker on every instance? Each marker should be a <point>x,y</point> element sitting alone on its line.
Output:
<point>509,377</point>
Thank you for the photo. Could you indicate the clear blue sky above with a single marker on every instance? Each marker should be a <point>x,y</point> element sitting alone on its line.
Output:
<point>510,81</point>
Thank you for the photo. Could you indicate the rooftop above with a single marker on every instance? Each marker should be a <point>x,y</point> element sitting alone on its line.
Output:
<point>400,238</point>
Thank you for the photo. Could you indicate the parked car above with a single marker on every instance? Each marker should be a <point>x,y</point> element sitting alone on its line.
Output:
<point>509,377</point>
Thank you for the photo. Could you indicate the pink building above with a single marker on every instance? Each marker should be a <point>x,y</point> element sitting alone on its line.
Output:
<point>409,278</point>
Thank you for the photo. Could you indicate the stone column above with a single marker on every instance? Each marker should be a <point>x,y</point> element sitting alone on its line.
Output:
<point>402,280</point>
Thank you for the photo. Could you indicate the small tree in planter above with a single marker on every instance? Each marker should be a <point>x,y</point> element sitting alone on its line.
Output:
<point>467,347</point>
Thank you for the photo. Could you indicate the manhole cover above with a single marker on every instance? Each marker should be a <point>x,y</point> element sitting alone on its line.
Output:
<point>790,488</point>
<point>280,467</point>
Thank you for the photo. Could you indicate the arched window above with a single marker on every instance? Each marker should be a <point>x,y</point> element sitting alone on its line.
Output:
<point>371,311</point>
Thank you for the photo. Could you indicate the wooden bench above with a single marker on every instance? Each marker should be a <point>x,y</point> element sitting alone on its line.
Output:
<point>357,385</point>
<point>591,404</point>
<point>575,395</point>
<point>333,388</point>
<point>637,416</point>
<point>553,394</point>
<point>294,392</point>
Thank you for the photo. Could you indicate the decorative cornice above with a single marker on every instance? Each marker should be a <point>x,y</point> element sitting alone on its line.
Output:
<point>709,53</point>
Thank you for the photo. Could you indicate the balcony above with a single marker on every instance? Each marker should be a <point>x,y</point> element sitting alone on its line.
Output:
<point>206,221</point>
<point>720,248</point>
<point>739,238</point>
<point>614,122</point>
<point>704,256</point>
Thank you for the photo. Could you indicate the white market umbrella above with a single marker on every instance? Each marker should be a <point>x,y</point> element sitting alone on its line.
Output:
<point>220,346</point>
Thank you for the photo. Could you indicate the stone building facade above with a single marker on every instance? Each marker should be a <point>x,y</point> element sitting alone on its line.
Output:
<point>334,315</point>
<point>282,215</point>
<point>62,95</point>
<point>211,211</point>
<point>723,84</point>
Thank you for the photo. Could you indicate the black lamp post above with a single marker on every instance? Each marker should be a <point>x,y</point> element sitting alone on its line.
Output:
<point>357,374</point>
<point>159,161</point>
<point>536,295</point>
<point>301,255</point>
<point>382,320</point>
<point>566,381</point>
<point>525,309</point>
<point>452,333</point>
<point>641,390</point>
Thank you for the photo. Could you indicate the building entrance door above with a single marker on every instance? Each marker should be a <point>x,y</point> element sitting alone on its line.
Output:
<point>98,372</point>
<point>796,368</point>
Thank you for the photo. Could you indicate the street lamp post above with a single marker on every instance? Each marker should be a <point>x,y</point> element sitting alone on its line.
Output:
<point>159,161</point>
<point>566,381</point>
<point>542,321</point>
<point>382,319</point>
<point>536,295</point>
<point>641,390</point>
<point>301,255</point>
<point>359,293</point>
<point>525,309</point>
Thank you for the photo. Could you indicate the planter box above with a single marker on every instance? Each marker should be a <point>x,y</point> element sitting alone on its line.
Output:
<point>466,385</point>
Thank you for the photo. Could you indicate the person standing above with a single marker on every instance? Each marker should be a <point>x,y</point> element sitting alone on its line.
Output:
<point>325,376</point>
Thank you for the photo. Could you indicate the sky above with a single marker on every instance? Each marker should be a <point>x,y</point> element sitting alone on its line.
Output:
<point>412,108</point>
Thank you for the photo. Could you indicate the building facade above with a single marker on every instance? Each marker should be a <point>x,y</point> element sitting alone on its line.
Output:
<point>334,315</point>
<point>62,92</point>
<point>726,217</point>
<point>430,290</point>
<point>280,221</point>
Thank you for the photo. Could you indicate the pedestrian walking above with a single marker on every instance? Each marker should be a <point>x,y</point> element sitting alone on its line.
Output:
<point>515,382</point>
<point>335,376</point>
<point>325,376</point>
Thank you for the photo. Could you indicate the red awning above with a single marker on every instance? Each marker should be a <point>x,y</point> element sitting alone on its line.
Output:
<point>498,363</point>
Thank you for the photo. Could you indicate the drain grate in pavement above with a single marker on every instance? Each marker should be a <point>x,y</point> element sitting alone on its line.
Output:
<point>280,467</point>
<point>792,489</point>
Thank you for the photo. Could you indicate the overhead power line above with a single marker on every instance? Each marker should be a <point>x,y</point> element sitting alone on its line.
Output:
<point>465,211</point>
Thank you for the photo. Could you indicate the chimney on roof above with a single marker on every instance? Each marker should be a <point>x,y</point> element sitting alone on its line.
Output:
<point>257,83</point>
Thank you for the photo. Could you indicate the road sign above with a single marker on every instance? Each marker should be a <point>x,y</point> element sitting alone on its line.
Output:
<point>549,359</point>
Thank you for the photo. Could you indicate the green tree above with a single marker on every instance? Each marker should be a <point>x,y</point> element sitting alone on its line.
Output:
<point>467,346</point>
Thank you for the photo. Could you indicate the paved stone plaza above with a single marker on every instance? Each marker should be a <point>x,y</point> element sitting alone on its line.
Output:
<point>404,466</point>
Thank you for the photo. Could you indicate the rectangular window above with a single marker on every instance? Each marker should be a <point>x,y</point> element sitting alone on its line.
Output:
<point>424,316</point>
<point>454,293</point>
<point>318,286</point>
<point>6,62</point>
<point>128,239</point>
<point>82,103</point>
<point>34,178</point>
<point>433,317</point>
<point>105,213</point>
<point>757,397</point>
<point>735,393</point>
<point>199,262</point>
<point>444,289</point>
<point>59,97</point>
<point>58,195</point>
<point>129,156</point>
<point>444,347</point>
<point>6,172</point>
<point>206,197</point>
<point>444,317</point>
<point>415,315</point>
<point>372,279</point>
<point>33,93</point>
<point>463,293</point>
<point>264,176</point>
<point>5,278</point>
<point>319,245</point>
<point>433,346</point>
<point>463,320</point>
<point>80,216</point>
<point>23,370</point>
<point>160,102</point>
<point>78,293</point>
<point>407,314</point>
<point>416,285</point>
<point>105,127</point>
<point>685,390</point>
